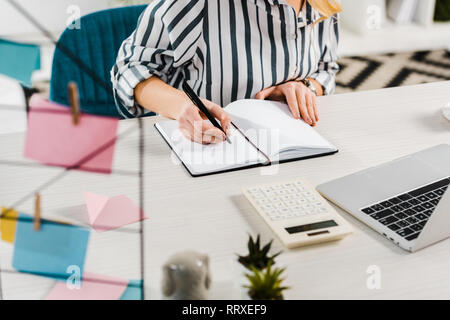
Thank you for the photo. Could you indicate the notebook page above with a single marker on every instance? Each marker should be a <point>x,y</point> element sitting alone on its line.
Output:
<point>204,159</point>
<point>274,120</point>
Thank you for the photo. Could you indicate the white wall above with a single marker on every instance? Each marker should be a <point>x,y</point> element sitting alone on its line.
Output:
<point>50,13</point>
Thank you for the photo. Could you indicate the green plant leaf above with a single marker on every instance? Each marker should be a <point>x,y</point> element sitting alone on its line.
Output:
<point>266,284</point>
<point>257,257</point>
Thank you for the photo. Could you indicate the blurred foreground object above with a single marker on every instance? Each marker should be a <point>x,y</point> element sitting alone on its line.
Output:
<point>186,276</point>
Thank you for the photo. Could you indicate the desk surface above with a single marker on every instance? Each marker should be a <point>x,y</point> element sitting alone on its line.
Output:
<point>210,214</point>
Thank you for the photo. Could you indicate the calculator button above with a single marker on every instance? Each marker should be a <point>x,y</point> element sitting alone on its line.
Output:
<point>262,201</point>
<point>258,196</point>
<point>291,203</point>
<point>267,207</point>
<point>278,205</point>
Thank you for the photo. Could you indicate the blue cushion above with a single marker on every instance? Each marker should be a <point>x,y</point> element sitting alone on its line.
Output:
<point>96,44</point>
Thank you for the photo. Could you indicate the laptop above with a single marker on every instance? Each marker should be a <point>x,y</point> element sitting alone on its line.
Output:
<point>406,200</point>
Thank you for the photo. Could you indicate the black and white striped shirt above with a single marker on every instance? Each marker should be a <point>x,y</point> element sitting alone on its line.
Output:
<point>226,49</point>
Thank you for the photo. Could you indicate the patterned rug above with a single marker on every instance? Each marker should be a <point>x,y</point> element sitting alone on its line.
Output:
<point>392,70</point>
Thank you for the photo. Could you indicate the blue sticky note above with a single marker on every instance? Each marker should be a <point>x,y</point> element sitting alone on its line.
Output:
<point>19,60</point>
<point>133,291</point>
<point>51,250</point>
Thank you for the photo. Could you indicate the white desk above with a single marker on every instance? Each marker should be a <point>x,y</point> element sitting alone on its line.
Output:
<point>210,214</point>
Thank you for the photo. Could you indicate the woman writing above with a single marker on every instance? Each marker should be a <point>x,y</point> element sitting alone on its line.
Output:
<point>227,50</point>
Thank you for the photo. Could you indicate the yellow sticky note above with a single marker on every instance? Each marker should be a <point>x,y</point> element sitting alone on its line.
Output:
<point>8,224</point>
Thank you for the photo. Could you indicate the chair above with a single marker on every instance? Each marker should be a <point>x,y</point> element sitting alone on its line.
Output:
<point>96,44</point>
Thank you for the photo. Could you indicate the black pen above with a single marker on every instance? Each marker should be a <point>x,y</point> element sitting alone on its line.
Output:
<point>199,104</point>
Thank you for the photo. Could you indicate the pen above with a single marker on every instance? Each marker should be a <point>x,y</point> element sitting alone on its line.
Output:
<point>199,104</point>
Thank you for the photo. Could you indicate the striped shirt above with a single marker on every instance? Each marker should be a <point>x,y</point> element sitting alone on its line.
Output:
<point>226,49</point>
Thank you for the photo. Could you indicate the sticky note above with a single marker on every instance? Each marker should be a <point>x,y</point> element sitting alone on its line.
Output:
<point>8,223</point>
<point>19,60</point>
<point>54,140</point>
<point>51,250</point>
<point>111,213</point>
<point>93,287</point>
<point>133,291</point>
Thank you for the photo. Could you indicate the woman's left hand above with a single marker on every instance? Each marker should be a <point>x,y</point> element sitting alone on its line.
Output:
<point>300,99</point>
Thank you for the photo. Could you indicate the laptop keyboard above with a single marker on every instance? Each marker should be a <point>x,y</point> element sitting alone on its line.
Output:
<point>408,213</point>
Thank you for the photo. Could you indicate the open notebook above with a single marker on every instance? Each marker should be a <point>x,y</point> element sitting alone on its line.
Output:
<point>263,133</point>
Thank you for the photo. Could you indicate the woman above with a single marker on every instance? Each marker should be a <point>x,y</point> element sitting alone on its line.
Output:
<point>227,50</point>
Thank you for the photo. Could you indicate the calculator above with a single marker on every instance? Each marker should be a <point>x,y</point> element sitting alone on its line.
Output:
<point>297,213</point>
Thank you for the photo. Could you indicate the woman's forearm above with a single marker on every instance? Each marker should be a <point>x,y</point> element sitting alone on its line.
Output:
<point>157,96</point>
<point>318,86</point>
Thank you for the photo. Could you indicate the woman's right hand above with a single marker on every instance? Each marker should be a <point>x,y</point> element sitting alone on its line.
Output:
<point>194,127</point>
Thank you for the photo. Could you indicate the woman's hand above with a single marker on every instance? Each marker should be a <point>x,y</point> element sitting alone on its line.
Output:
<point>194,127</point>
<point>300,99</point>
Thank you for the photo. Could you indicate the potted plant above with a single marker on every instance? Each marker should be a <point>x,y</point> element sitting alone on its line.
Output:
<point>258,279</point>
<point>257,257</point>
<point>266,284</point>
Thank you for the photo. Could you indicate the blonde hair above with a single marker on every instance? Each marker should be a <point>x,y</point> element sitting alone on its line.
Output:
<point>327,8</point>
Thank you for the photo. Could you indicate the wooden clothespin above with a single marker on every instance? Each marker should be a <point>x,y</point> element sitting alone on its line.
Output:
<point>37,212</point>
<point>74,102</point>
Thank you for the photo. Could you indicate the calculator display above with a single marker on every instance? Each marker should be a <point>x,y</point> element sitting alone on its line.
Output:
<point>312,226</point>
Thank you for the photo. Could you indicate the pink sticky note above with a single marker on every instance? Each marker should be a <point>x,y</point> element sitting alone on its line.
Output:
<point>111,213</point>
<point>54,140</point>
<point>93,287</point>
